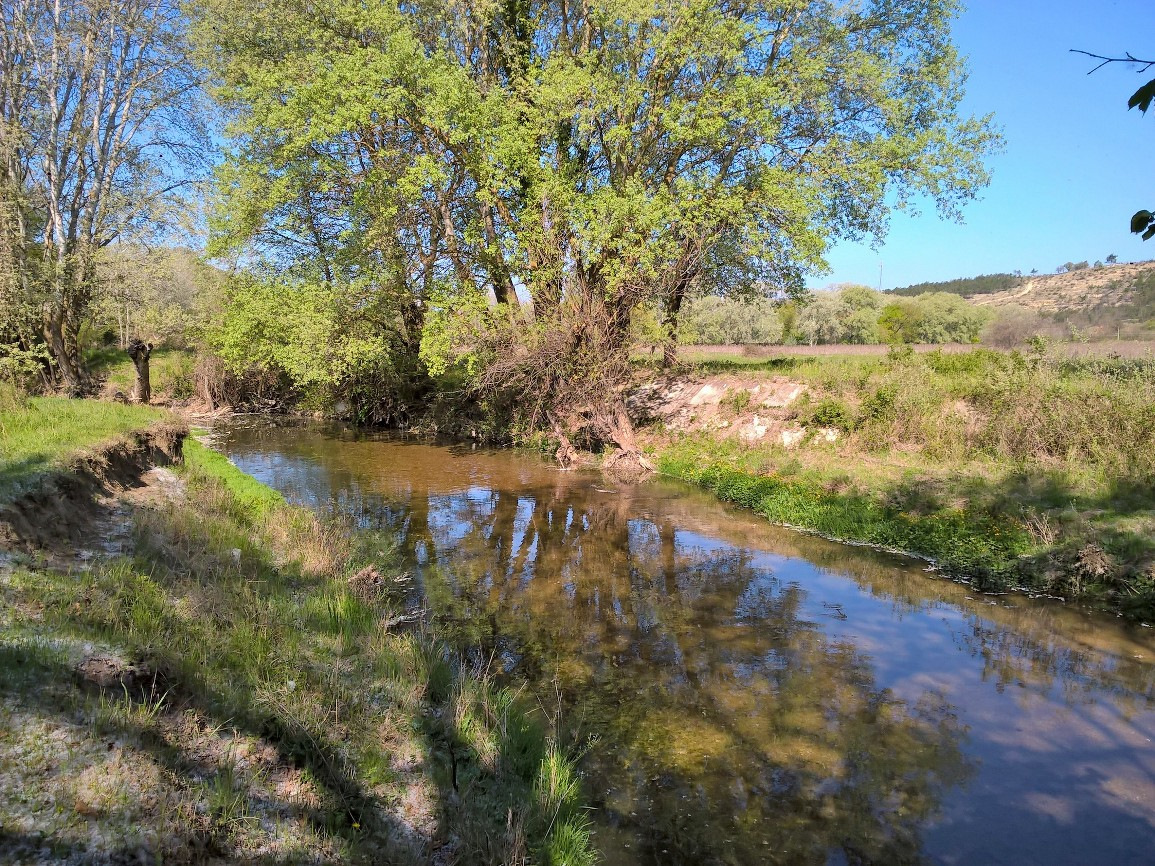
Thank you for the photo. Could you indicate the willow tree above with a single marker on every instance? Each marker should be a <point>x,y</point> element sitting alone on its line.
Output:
<point>98,118</point>
<point>527,173</point>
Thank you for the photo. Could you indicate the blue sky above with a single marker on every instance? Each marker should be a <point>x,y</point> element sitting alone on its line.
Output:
<point>1076,165</point>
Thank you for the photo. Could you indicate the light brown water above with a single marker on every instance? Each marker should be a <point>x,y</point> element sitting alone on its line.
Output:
<point>756,694</point>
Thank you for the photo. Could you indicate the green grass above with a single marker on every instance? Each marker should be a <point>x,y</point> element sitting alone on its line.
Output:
<point>250,499</point>
<point>41,434</point>
<point>965,541</point>
<point>1009,469</point>
<point>244,606</point>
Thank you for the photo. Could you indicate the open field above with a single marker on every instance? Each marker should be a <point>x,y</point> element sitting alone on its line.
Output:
<point>754,353</point>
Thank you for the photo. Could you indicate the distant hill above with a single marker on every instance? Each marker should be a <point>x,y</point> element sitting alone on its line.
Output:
<point>1111,287</point>
<point>967,286</point>
<point>1081,291</point>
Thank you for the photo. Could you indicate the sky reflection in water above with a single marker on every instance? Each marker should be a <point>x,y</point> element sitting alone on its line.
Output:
<point>760,695</point>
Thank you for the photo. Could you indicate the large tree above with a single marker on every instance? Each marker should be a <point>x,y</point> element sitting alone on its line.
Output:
<point>97,119</point>
<point>572,160</point>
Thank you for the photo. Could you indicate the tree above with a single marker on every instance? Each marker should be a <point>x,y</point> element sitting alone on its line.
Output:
<point>570,162</point>
<point>711,320</point>
<point>821,320</point>
<point>1143,221</point>
<point>1112,259</point>
<point>97,121</point>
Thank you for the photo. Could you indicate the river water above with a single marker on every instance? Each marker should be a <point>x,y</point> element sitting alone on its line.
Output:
<point>754,694</point>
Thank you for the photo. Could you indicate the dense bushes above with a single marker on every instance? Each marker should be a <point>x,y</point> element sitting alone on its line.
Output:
<point>847,314</point>
<point>327,343</point>
<point>712,320</point>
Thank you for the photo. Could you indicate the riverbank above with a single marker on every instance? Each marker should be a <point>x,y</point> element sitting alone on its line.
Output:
<point>245,682</point>
<point>1008,470</point>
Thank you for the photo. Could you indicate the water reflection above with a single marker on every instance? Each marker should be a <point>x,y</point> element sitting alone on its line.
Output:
<point>760,695</point>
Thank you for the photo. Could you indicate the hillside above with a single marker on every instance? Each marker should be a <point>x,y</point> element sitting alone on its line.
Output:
<point>1077,291</point>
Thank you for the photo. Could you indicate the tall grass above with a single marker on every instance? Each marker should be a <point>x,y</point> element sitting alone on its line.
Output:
<point>1007,468</point>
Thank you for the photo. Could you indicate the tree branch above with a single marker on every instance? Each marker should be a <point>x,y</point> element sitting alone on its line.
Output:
<point>1129,58</point>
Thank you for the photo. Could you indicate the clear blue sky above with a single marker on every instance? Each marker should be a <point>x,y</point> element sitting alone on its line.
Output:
<point>1076,165</point>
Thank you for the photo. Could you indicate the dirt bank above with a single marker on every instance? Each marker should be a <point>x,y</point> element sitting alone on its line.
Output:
<point>62,503</point>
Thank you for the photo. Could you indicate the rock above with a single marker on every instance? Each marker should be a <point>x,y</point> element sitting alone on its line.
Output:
<point>706,394</point>
<point>782,394</point>
<point>827,434</point>
<point>790,438</point>
<point>108,672</point>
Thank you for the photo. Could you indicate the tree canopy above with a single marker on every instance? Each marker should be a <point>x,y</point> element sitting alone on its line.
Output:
<point>572,161</point>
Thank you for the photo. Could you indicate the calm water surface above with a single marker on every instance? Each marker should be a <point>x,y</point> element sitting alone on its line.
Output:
<point>759,695</point>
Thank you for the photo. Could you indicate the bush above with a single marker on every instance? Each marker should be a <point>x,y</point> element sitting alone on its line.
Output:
<point>831,412</point>
<point>712,320</point>
<point>1014,325</point>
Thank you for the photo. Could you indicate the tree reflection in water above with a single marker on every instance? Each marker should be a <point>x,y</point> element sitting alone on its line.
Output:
<point>730,728</point>
<point>740,718</point>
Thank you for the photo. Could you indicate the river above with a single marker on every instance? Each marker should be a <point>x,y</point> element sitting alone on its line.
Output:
<point>749,693</point>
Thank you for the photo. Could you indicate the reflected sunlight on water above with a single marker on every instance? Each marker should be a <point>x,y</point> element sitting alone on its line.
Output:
<point>757,694</point>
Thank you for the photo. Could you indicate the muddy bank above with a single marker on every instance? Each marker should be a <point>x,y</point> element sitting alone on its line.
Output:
<point>63,503</point>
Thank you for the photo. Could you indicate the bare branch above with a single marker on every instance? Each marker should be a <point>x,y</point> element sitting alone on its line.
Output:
<point>1144,65</point>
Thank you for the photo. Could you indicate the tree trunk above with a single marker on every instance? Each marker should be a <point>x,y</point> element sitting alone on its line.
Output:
<point>673,310</point>
<point>66,360</point>
<point>627,463</point>
<point>140,352</point>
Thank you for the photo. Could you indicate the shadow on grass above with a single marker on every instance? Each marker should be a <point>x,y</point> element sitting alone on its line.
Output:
<point>15,476</point>
<point>38,678</point>
<point>1037,529</point>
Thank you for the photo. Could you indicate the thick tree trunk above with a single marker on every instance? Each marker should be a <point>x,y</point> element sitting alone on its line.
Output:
<point>64,355</point>
<point>670,324</point>
<point>140,352</point>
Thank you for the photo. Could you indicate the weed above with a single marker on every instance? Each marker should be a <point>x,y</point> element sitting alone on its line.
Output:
<point>228,795</point>
<point>831,412</point>
<point>736,400</point>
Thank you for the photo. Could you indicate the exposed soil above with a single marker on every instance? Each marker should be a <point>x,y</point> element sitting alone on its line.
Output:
<point>731,406</point>
<point>65,504</point>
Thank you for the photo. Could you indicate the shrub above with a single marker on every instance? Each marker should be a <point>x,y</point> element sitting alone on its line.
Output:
<point>832,412</point>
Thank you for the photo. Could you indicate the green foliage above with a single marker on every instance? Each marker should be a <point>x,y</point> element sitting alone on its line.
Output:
<point>736,400</point>
<point>831,412</point>
<point>712,320</point>
<point>328,341</point>
<point>575,156</point>
<point>937,317</point>
<point>985,284</point>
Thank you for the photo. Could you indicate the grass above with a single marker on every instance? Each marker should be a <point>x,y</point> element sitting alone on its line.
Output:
<point>288,715</point>
<point>42,434</point>
<point>1009,469</point>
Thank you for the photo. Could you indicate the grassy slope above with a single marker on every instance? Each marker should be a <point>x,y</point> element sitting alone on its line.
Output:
<point>1008,470</point>
<point>294,717</point>
<point>43,433</point>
